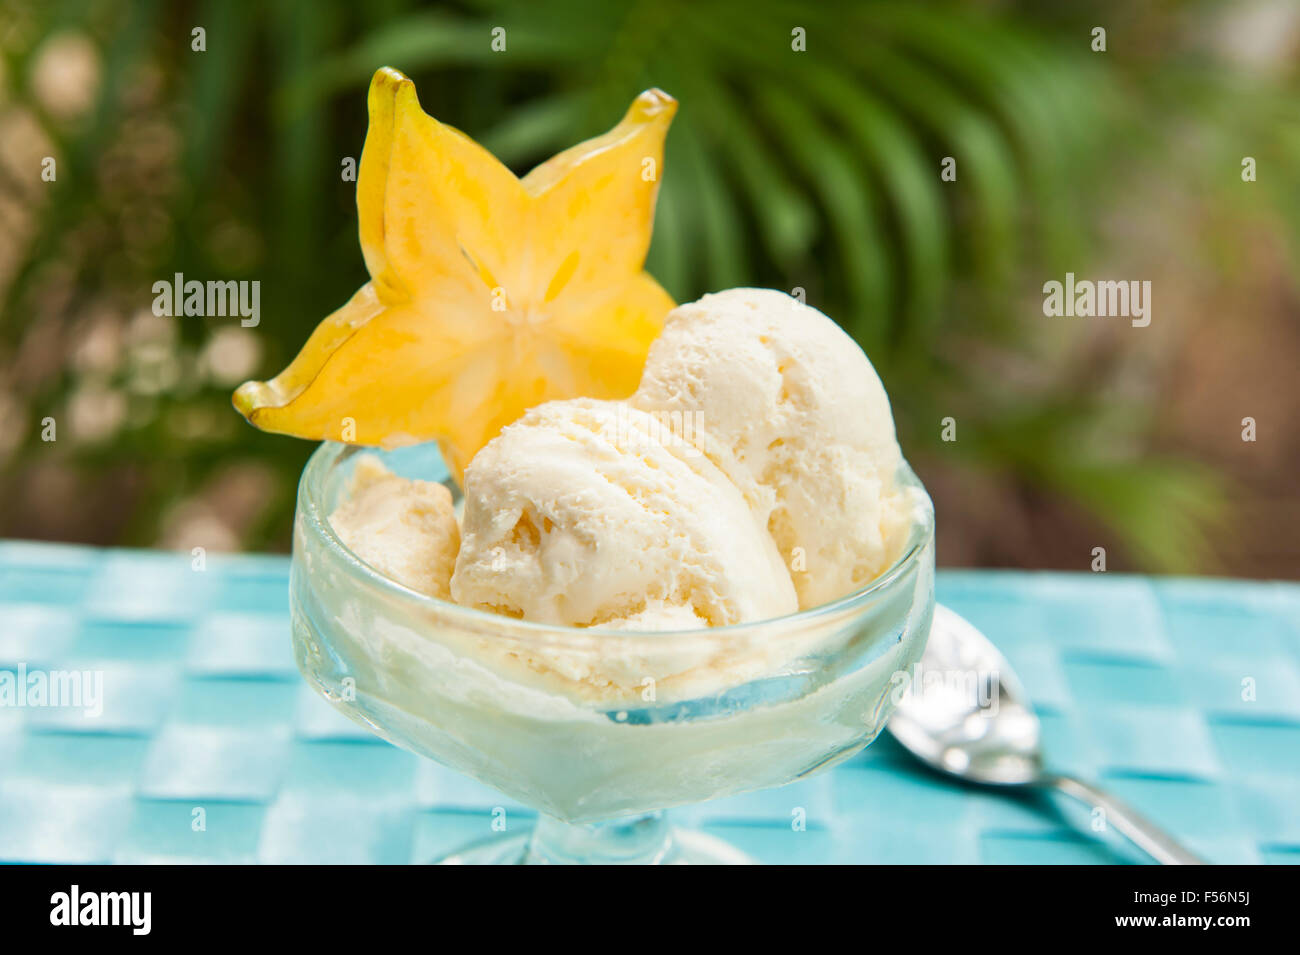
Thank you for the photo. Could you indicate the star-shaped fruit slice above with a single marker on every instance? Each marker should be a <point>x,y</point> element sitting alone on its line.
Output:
<point>488,293</point>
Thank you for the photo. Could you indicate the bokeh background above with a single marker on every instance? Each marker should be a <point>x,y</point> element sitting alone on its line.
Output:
<point>817,169</point>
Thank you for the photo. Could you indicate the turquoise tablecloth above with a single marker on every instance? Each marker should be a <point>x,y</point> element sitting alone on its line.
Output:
<point>1139,683</point>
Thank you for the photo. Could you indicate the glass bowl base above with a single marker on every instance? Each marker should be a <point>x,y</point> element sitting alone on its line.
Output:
<point>681,847</point>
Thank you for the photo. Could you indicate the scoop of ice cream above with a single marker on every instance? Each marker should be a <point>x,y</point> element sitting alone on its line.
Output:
<point>659,618</point>
<point>578,514</point>
<point>787,404</point>
<point>405,529</point>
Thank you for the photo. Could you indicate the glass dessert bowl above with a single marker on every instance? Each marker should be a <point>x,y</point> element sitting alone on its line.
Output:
<point>599,730</point>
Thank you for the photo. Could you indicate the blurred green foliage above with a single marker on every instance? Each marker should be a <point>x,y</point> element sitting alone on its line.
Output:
<point>817,170</point>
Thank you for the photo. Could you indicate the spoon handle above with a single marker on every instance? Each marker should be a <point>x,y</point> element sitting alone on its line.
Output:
<point>1141,831</point>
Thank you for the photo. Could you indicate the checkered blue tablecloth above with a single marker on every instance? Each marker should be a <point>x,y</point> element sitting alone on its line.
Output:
<point>210,748</point>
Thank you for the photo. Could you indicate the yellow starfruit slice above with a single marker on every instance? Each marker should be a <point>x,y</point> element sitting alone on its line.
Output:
<point>488,293</point>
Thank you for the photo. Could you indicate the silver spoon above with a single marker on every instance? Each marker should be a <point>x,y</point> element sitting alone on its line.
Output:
<point>964,713</point>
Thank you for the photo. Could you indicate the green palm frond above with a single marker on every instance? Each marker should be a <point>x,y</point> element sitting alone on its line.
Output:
<point>816,169</point>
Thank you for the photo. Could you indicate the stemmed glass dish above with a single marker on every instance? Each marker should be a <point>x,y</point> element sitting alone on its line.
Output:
<point>599,731</point>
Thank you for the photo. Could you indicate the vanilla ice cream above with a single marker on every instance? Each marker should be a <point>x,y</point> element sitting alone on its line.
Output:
<point>405,529</point>
<point>789,407</point>
<point>659,617</point>
<point>580,514</point>
<point>753,472</point>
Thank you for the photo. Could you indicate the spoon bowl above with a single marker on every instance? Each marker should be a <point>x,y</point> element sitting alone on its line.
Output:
<point>966,714</point>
